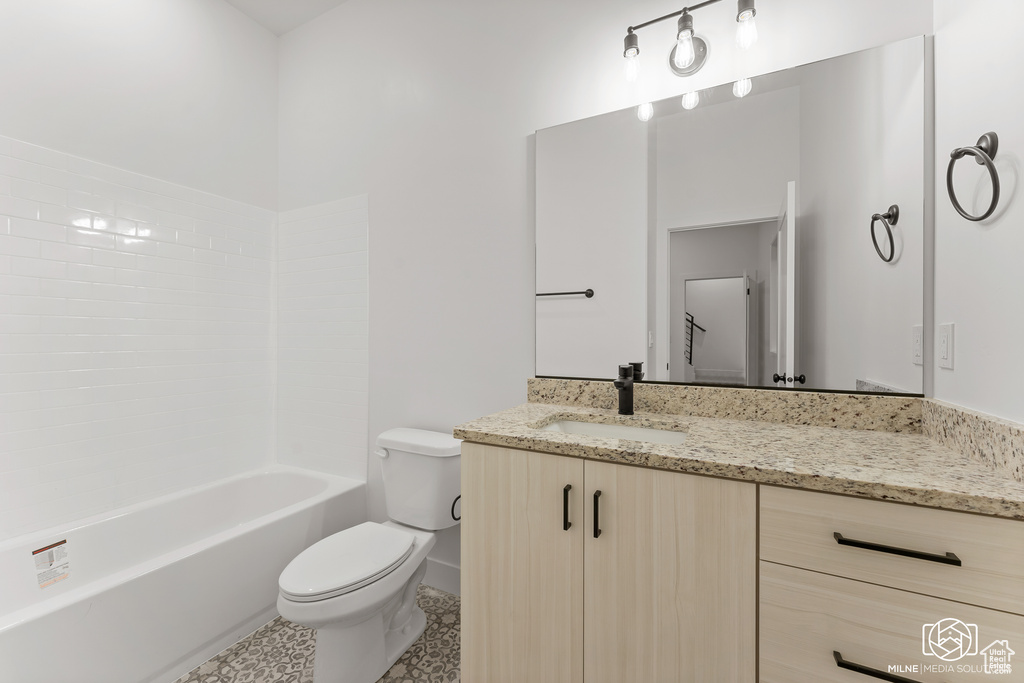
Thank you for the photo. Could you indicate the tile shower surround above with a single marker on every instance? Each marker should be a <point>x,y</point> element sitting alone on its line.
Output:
<point>136,349</point>
<point>138,337</point>
<point>323,337</point>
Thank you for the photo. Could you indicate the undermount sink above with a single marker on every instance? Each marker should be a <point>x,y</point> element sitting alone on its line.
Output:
<point>616,431</point>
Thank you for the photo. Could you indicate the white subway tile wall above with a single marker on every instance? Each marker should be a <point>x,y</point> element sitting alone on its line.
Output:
<point>136,337</point>
<point>322,338</point>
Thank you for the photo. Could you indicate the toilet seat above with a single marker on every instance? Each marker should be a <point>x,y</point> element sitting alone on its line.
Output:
<point>345,562</point>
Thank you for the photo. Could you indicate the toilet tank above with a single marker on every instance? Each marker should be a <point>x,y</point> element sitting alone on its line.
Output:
<point>421,477</point>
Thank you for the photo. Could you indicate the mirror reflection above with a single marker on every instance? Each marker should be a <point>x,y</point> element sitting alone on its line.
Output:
<point>732,243</point>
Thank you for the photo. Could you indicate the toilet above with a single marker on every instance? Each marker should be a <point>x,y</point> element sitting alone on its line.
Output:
<point>357,588</point>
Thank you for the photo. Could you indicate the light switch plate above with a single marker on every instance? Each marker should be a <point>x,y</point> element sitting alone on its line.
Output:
<point>918,344</point>
<point>945,352</point>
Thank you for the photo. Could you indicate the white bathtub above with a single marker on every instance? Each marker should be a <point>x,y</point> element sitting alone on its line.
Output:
<point>157,588</point>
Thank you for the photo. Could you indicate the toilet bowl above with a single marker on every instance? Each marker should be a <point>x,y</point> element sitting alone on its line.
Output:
<point>357,588</point>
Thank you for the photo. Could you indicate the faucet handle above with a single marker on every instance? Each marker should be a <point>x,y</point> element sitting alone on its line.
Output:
<point>625,372</point>
<point>638,371</point>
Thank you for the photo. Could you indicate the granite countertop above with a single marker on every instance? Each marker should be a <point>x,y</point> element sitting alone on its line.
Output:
<point>902,467</point>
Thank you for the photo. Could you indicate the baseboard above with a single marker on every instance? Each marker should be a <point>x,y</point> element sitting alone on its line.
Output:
<point>442,576</point>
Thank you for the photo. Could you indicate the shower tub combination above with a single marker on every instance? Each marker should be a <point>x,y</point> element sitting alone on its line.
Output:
<point>155,589</point>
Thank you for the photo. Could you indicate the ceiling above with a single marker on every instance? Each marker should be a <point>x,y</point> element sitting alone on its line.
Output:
<point>281,16</point>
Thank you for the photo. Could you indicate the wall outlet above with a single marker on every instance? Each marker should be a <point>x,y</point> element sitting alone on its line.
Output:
<point>917,332</point>
<point>945,346</point>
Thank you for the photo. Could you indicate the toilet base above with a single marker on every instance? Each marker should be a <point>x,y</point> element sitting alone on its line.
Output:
<point>356,653</point>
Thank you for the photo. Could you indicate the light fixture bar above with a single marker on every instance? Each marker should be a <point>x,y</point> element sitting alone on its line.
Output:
<point>691,8</point>
<point>690,52</point>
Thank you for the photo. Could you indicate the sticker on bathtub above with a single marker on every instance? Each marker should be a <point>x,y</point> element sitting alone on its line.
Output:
<point>52,563</point>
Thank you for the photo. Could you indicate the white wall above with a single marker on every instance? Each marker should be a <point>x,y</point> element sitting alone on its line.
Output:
<point>978,265</point>
<point>427,109</point>
<point>862,148</point>
<point>592,234</point>
<point>322,337</point>
<point>136,350</point>
<point>728,161</point>
<point>182,90</point>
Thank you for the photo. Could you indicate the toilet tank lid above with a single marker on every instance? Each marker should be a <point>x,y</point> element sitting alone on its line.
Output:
<point>421,441</point>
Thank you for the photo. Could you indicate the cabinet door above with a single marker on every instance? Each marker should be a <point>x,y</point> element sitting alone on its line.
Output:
<point>670,583</point>
<point>522,587</point>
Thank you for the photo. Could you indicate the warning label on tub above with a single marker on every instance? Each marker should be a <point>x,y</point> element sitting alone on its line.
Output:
<point>52,563</point>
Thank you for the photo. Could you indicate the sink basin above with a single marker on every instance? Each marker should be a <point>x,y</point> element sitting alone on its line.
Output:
<point>615,431</point>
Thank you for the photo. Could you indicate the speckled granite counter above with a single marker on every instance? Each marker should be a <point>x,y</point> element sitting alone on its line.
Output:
<point>884,465</point>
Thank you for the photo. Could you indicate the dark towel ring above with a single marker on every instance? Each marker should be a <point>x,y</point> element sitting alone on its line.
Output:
<point>984,152</point>
<point>889,219</point>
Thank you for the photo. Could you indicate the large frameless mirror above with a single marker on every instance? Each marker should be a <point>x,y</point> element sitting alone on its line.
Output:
<point>746,240</point>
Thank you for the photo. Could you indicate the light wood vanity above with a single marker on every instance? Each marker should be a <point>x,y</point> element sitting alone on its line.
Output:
<point>871,606</point>
<point>578,570</point>
<point>696,563</point>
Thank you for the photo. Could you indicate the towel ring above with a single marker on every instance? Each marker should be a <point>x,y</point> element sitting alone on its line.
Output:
<point>889,219</point>
<point>984,152</point>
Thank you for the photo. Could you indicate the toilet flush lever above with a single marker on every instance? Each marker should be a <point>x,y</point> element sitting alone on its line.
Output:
<point>381,453</point>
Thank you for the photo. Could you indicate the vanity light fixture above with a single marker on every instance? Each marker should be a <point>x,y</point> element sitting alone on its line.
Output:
<point>746,29</point>
<point>741,88</point>
<point>632,54</point>
<point>691,100</point>
<point>645,111</point>
<point>683,54</point>
<point>690,51</point>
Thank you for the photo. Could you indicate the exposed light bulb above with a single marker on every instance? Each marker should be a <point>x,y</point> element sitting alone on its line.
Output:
<point>645,111</point>
<point>632,68</point>
<point>691,100</point>
<point>684,54</point>
<point>746,30</point>
<point>741,88</point>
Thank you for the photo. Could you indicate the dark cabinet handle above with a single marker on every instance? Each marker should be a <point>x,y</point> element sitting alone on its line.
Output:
<point>868,671</point>
<point>566,524</point>
<point>948,558</point>
<point>597,525</point>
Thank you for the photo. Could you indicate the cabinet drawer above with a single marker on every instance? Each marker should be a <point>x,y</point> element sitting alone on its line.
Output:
<point>806,617</point>
<point>799,528</point>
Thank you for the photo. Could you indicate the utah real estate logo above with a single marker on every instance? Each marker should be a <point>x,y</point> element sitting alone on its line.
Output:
<point>955,644</point>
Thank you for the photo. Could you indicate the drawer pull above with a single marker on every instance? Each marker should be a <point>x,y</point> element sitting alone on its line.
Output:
<point>566,524</point>
<point>948,558</point>
<point>868,671</point>
<point>597,526</point>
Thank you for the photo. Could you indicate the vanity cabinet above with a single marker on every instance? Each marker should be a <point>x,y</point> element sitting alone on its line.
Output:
<point>854,589</point>
<point>652,579</point>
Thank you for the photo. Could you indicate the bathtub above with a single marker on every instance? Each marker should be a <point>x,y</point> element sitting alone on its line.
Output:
<point>155,589</point>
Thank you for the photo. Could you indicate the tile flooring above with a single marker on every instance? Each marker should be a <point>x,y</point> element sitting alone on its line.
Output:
<point>282,652</point>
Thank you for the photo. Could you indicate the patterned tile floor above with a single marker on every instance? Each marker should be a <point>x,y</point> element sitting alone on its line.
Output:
<point>282,652</point>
